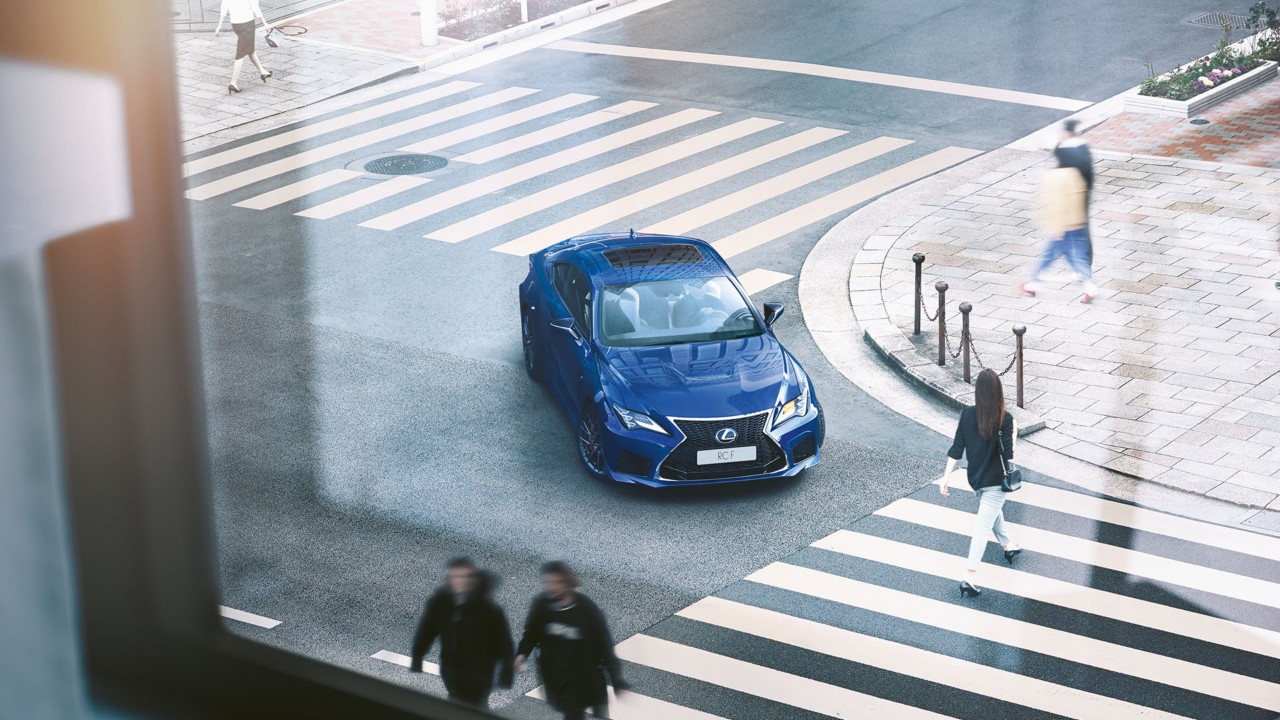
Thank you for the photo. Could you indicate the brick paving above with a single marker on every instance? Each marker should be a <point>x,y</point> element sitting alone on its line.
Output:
<point>1173,374</point>
<point>303,74</point>
<point>1244,130</point>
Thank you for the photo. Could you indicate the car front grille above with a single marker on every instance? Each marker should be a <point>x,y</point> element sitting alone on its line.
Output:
<point>682,463</point>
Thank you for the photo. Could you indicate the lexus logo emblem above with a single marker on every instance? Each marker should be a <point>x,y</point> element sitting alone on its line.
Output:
<point>726,435</point>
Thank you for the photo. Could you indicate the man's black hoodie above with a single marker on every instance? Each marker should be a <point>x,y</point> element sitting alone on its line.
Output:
<point>474,638</point>
<point>575,652</point>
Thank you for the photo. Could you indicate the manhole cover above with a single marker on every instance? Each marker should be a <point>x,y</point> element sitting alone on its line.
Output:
<point>406,164</point>
<point>1218,19</point>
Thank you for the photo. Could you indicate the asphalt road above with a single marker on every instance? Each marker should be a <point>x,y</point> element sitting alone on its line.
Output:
<point>369,416</point>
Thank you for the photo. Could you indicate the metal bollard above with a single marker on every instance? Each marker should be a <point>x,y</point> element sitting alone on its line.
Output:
<point>918,259</point>
<point>941,287</point>
<point>1018,331</point>
<point>965,309</point>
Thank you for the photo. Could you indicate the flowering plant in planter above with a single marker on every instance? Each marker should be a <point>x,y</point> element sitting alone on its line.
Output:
<point>1225,65</point>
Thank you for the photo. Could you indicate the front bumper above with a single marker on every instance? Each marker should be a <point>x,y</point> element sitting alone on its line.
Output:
<point>643,457</point>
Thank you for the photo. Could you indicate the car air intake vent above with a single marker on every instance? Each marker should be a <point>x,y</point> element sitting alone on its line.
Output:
<point>649,255</point>
<point>804,449</point>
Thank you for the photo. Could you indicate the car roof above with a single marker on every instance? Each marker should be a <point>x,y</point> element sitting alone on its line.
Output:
<point>617,258</point>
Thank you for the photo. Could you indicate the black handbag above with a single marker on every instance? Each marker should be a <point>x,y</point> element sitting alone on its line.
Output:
<point>1012,473</point>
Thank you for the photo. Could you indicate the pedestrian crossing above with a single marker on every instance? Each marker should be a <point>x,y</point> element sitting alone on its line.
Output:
<point>528,168</point>
<point>868,622</point>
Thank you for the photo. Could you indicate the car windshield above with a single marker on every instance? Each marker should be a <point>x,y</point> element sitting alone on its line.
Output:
<point>671,312</point>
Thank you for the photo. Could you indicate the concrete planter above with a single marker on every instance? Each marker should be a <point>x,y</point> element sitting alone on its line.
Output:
<point>1190,108</point>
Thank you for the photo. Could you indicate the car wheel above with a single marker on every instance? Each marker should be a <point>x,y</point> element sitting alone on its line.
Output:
<point>531,364</point>
<point>591,442</point>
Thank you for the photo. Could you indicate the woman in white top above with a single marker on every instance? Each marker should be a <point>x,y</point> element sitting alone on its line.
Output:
<point>242,13</point>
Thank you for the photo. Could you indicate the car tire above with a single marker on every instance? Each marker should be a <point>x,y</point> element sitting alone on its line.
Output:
<point>527,341</point>
<point>590,442</point>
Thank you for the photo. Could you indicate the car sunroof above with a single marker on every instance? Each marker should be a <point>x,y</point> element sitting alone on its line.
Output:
<point>648,255</point>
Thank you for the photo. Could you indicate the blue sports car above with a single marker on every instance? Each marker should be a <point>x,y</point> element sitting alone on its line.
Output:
<point>667,370</point>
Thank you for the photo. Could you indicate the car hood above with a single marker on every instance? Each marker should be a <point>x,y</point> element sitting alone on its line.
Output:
<point>712,379</point>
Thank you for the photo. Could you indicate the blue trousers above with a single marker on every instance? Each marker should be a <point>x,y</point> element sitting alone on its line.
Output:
<point>1073,245</point>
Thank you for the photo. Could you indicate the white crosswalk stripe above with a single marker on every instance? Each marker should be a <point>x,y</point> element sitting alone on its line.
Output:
<point>584,184</point>
<point>293,191</point>
<point>840,200</point>
<point>534,168</point>
<point>363,197</point>
<point>356,142</point>
<point>1057,592</point>
<point>793,690</point>
<point>1120,559</point>
<point>747,197</point>
<point>759,279</point>
<point>654,194</point>
<point>316,129</point>
<point>502,122</point>
<point>554,132</point>
<point>906,660</point>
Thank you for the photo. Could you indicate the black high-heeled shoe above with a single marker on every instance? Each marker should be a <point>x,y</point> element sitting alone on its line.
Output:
<point>266,75</point>
<point>232,89</point>
<point>1009,555</point>
<point>967,589</point>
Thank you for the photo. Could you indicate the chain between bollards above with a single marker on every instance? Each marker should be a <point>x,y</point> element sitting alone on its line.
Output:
<point>965,309</point>
<point>1018,331</point>
<point>918,259</point>
<point>941,287</point>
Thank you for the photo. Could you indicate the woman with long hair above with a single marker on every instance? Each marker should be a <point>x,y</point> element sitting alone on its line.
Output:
<point>984,429</point>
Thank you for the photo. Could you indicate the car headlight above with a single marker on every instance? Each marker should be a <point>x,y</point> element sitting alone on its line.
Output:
<point>632,420</point>
<point>797,406</point>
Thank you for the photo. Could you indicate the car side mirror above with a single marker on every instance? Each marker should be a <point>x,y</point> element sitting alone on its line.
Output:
<point>772,311</point>
<point>566,326</point>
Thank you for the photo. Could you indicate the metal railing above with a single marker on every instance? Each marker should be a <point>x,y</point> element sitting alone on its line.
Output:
<point>968,352</point>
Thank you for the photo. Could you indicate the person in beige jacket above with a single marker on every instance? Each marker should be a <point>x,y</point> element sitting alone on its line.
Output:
<point>1065,220</point>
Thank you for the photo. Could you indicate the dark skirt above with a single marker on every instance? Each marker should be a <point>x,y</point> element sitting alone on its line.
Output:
<point>244,38</point>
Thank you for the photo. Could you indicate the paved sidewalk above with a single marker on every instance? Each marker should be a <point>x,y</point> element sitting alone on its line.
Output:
<point>303,74</point>
<point>1244,130</point>
<point>1173,374</point>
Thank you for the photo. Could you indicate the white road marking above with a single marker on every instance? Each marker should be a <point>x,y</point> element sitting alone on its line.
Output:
<point>667,190</point>
<point>554,132</point>
<point>840,200</point>
<point>764,682</point>
<point>734,202</point>
<point>593,182</point>
<point>1027,636</point>
<point>1124,560</point>
<point>631,705</point>
<point>826,71</point>
<point>498,181</point>
<point>362,197</point>
<point>1152,521</point>
<point>404,661</point>
<point>914,662</point>
<point>355,142</point>
<point>293,191</point>
<point>247,617</point>
<point>1059,592</point>
<point>502,122</point>
<point>755,280</point>
<point>306,132</point>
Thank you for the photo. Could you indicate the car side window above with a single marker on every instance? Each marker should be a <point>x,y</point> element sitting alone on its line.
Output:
<point>575,291</point>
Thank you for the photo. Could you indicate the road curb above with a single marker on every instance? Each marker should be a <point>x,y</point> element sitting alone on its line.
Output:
<point>847,327</point>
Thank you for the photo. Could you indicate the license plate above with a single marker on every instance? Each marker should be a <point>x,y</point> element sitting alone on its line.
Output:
<point>726,455</point>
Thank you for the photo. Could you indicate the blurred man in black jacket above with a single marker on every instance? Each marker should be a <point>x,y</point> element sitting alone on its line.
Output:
<point>576,650</point>
<point>474,635</point>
